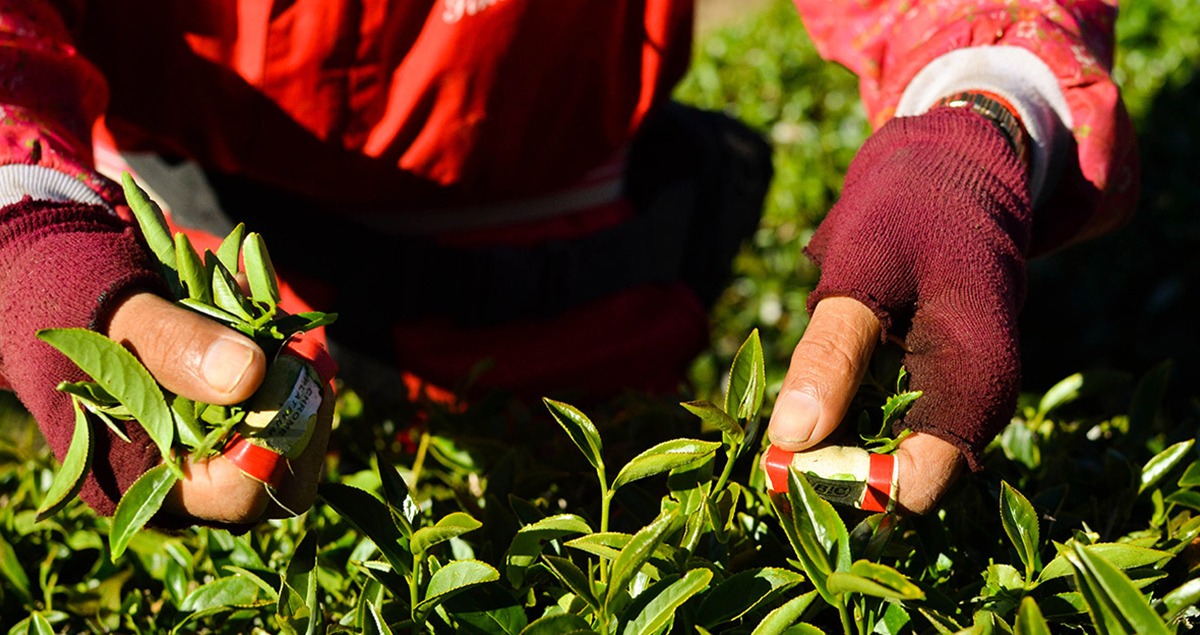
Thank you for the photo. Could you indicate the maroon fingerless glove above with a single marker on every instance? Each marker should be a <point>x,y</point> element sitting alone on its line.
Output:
<point>931,232</point>
<point>66,265</point>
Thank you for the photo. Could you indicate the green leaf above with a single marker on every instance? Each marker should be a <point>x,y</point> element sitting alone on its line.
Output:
<point>298,596</point>
<point>637,552</point>
<point>1148,396</point>
<point>711,414</point>
<point>1021,525</point>
<point>12,571</point>
<point>580,429</point>
<point>395,491</point>
<point>527,544</point>
<point>660,611</point>
<point>664,457</point>
<point>1030,620</point>
<point>371,518</point>
<point>153,223</point>
<point>896,406</point>
<point>1191,476</point>
<point>374,624</point>
<point>1162,464</point>
<point>573,577</point>
<point>74,468</point>
<point>1114,603</point>
<point>123,376</point>
<point>139,504</point>
<point>455,577</point>
<point>264,286</point>
<point>451,526</point>
<point>227,295</point>
<point>227,252</point>
<point>557,624</point>
<point>186,426</point>
<point>1121,555</point>
<point>781,618</point>
<point>747,380</point>
<point>220,315</point>
<point>742,592</point>
<point>486,610</point>
<point>193,276</point>
<point>874,580</point>
<point>39,625</point>
<point>228,592</point>
<point>1181,598</point>
<point>821,540</point>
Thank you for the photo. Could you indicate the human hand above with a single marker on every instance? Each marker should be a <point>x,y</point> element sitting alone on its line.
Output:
<point>200,359</point>
<point>926,244</point>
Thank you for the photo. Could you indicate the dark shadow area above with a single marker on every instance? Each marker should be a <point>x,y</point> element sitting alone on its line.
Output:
<point>1128,301</point>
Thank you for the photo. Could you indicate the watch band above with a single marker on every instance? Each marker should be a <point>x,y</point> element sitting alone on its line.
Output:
<point>999,111</point>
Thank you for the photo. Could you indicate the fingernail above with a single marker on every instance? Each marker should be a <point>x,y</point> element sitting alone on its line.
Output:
<point>794,418</point>
<point>225,364</point>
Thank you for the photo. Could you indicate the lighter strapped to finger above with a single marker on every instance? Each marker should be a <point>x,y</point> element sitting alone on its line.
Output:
<point>844,475</point>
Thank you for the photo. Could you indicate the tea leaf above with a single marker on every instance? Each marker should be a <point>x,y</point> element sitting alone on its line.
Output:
<point>823,542</point>
<point>230,247</point>
<point>370,517</point>
<point>184,412</point>
<point>895,407</point>
<point>404,509</point>
<point>374,623</point>
<point>778,620</point>
<point>608,545</point>
<point>557,624</point>
<point>487,609</point>
<point>572,576</point>
<point>660,611</point>
<point>580,429</point>
<point>1030,620</point>
<point>73,470</point>
<point>1191,476</point>
<point>742,592</point>
<point>451,526</point>
<point>122,375</point>
<point>138,505</point>
<point>264,286</point>
<point>231,591</point>
<point>153,223</point>
<point>711,414</point>
<point>1021,524</point>
<point>12,571</point>
<point>527,544</point>
<point>193,276</point>
<point>455,577</point>
<point>747,380</point>
<point>874,580</point>
<point>1114,603</point>
<point>1162,464</point>
<point>664,457</point>
<point>1181,598</point>
<point>298,595</point>
<point>637,552</point>
<point>227,295</point>
<point>1120,555</point>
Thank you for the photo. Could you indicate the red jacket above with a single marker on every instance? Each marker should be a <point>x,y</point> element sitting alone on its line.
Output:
<point>422,113</point>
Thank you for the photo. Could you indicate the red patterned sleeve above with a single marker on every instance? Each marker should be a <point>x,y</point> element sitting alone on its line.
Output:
<point>888,42</point>
<point>66,257</point>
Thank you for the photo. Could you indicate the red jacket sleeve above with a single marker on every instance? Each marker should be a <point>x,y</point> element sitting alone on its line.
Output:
<point>62,263</point>
<point>887,42</point>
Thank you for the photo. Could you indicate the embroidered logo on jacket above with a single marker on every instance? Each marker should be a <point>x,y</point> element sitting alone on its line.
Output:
<point>456,9</point>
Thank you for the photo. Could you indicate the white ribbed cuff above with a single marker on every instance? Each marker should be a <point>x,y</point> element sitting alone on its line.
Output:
<point>1017,75</point>
<point>42,183</point>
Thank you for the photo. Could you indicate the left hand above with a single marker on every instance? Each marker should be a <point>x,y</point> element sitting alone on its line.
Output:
<point>927,244</point>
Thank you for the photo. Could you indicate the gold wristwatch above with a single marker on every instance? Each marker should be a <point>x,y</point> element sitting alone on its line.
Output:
<point>999,111</point>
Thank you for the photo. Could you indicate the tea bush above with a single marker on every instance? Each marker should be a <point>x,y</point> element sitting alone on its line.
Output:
<point>642,516</point>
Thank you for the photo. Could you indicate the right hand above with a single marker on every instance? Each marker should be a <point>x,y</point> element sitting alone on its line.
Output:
<point>193,356</point>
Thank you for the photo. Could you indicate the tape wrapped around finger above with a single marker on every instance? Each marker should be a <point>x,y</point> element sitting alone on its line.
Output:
<point>843,475</point>
<point>282,415</point>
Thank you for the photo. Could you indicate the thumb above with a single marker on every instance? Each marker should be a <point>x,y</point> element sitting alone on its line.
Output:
<point>187,353</point>
<point>824,373</point>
